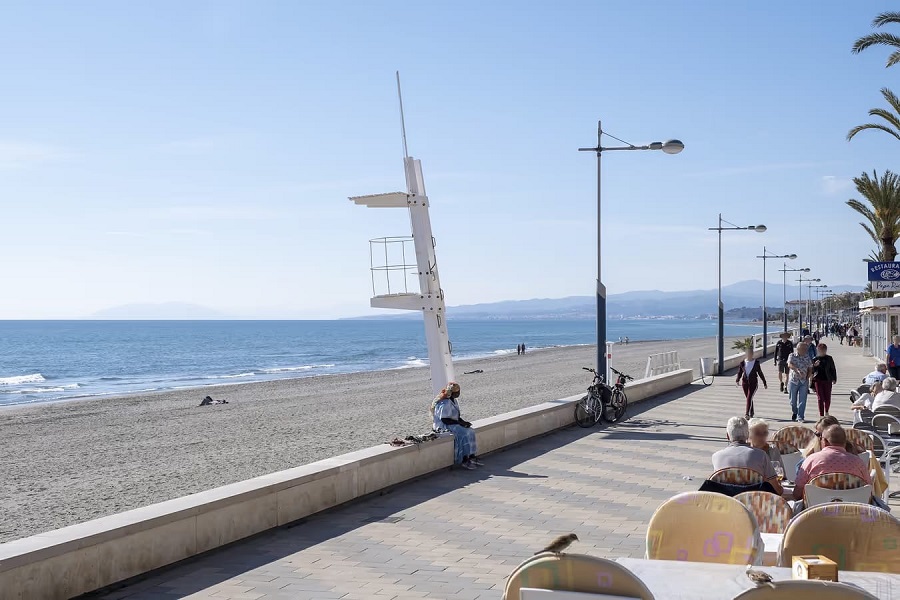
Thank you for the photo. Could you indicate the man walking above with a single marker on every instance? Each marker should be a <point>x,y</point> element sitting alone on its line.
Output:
<point>783,350</point>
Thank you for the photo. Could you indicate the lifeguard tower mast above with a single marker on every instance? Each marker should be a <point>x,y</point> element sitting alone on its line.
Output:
<point>390,270</point>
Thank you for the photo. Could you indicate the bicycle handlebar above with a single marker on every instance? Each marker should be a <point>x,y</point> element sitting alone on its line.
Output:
<point>621,373</point>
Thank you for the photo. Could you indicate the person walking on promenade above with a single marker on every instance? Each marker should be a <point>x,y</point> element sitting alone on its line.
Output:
<point>800,366</point>
<point>824,377</point>
<point>892,358</point>
<point>446,417</point>
<point>748,376</point>
<point>783,350</point>
<point>842,333</point>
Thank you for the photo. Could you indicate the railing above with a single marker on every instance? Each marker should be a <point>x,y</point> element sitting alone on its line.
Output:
<point>659,364</point>
<point>389,266</point>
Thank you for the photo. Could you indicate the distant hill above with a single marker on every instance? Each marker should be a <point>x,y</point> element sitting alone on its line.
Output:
<point>167,311</point>
<point>649,303</point>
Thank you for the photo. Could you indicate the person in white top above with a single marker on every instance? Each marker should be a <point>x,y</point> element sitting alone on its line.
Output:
<point>888,397</point>
<point>879,374</point>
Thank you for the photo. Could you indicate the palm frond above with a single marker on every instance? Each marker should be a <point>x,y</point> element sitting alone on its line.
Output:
<point>875,39</point>
<point>891,99</point>
<point>886,18</point>
<point>893,59</point>
<point>871,233</point>
<point>852,133</point>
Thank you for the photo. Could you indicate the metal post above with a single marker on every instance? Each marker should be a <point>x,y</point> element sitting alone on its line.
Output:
<point>721,338</point>
<point>765,314</point>
<point>601,289</point>
<point>784,295</point>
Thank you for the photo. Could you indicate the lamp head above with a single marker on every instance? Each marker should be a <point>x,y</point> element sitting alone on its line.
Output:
<point>791,256</point>
<point>757,228</point>
<point>806,270</point>
<point>671,146</point>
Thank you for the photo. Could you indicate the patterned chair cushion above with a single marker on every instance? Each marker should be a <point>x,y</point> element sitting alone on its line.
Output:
<point>784,447</point>
<point>860,440</point>
<point>858,537</point>
<point>837,481</point>
<point>772,512</point>
<point>704,527</point>
<point>575,573</point>
<point>737,476</point>
<point>795,435</point>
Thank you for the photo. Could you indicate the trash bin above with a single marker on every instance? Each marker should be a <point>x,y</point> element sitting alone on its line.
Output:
<point>706,366</point>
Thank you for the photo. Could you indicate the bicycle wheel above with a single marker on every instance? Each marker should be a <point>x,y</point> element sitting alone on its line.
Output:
<point>617,406</point>
<point>584,412</point>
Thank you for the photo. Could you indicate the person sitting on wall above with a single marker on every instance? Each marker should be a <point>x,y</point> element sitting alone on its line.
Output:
<point>446,417</point>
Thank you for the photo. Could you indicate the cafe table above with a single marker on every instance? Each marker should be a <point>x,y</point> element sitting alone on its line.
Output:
<point>772,542</point>
<point>681,580</point>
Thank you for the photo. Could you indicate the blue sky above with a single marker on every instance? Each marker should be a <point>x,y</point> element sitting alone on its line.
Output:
<point>203,152</point>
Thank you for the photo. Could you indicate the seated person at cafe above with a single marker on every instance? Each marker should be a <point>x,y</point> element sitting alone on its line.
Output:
<point>832,458</point>
<point>865,400</point>
<point>739,453</point>
<point>759,438</point>
<point>889,395</point>
<point>879,374</point>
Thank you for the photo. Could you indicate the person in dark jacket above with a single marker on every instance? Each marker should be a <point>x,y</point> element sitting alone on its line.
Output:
<point>748,376</point>
<point>783,350</point>
<point>824,377</point>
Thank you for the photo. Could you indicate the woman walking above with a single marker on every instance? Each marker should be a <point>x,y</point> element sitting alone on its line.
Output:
<point>446,417</point>
<point>824,377</point>
<point>748,376</point>
<point>800,366</point>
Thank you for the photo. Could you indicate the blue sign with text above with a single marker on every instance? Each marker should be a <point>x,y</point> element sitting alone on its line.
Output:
<point>884,271</point>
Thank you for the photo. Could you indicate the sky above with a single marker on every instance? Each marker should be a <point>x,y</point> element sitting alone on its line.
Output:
<point>203,152</point>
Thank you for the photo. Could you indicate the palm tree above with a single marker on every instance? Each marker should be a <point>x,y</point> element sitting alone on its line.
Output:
<point>881,208</point>
<point>892,118</point>
<point>882,39</point>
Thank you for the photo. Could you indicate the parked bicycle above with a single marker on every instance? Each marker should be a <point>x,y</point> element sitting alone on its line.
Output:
<point>602,401</point>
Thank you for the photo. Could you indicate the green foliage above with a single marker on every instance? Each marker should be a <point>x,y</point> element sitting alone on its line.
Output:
<point>881,208</point>
<point>744,344</point>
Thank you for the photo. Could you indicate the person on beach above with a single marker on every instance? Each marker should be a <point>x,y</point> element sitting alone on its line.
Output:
<point>748,376</point>
<point>892,358</point>
<point>783,350</point>
<point>801,367</point>
<point>446,417</point>
<point>824,376</point>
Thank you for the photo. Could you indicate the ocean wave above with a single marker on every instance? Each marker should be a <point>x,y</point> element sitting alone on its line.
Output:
<point>250,374</point>
<point>275,370</point>
<point>20,379</point>
<point>44,390</point>
<point>413,363</point>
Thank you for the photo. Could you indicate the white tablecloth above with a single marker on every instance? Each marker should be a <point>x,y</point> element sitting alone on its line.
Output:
<point>675,580</point>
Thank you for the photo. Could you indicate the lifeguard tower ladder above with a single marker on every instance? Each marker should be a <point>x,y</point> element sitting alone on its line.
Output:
<point>392,274</point>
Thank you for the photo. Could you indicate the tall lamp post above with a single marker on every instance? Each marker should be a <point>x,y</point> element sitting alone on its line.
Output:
<point>801,280</point>
<point>784,272</point>
<point>721,341</point>
<point>669,147</point>
<point>765,313</point>
<point>809,289</point>
<point>821,313</point>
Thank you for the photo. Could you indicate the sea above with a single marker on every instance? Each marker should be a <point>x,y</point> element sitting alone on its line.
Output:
<point>44,361</point>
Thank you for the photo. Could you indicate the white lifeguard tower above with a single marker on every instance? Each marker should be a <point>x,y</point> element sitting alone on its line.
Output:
<point>391,271</point>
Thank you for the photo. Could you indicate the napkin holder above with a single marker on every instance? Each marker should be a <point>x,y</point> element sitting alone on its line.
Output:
<point>814,566</point>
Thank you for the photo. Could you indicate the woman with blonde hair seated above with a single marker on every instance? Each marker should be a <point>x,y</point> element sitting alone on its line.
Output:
<point>759,438</point>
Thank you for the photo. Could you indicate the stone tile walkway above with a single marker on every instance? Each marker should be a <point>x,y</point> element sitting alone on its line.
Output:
<point>458,534</point>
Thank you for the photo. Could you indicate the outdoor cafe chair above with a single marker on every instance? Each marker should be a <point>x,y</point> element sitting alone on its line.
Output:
<point>790,462</point>
<point>797,436</point>
<point>886,424</point>
<point>704,527</point>
<point>575,573</point>
<point>858,537</point>
<point>772,512</point>
<point>809,589</point>
<point>737,476</point>
<point>784,447</point>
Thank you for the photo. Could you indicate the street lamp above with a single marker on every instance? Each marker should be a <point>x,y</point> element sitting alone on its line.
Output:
<point>669,147</point>
<point>766,255</point>
<point>801,280</point>
<point>784,272</point>
<point>721,342</point>
<point>821,313</point>
<point>809,288</point>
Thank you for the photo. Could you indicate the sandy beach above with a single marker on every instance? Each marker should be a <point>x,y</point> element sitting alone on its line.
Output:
<point>69,462</point>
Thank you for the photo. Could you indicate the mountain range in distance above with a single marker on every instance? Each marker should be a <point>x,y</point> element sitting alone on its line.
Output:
<point>647,303</point>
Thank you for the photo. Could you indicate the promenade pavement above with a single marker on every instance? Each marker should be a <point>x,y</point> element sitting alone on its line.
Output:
<point>458,533</point>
